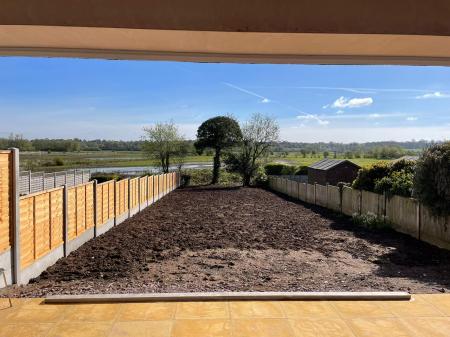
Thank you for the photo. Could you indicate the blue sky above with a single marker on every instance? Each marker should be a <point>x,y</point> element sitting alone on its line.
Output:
<point>66,98</point>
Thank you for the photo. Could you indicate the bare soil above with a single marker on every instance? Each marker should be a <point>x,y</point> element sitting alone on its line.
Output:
<point>243,239</point>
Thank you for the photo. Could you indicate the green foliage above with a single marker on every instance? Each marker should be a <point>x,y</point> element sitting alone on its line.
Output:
<point>369,220</point>
<point>165,144</point>
<point>279,169</point>
<point>391,178</point>
<point>367,176</point>
<point>58,161</point>
<point>102,177</point>
<point>197,177</point>
<point>397,183</point>
<point>217,133</point>
<point>301,170</point>
<point>432,178</point>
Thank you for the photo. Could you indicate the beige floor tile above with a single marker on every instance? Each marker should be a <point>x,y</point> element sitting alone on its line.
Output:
<point>439,301</point>
<point>92,313</point>
<point>379,327</point>
<point>193,310</point>
<point>201,328</point>
<point>142,329</point>
<point>429,326</point>
<point>79,329</point>
<point>20,315</point>
<point>4,303</point>
<point>146,311</point>
<point>349,309</point>
<point>25,329</point>
<point>309,327</point>
<point>271,327</point>
<point>312,309</point>
<point>417,307</point>
<point>257,309</point>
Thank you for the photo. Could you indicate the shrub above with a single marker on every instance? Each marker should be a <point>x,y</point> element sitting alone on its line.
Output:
<point>301,170</point>
<point>369,220</point>
<point>102,177</point>
<point>367,176</point>
<point>432,178</point>
<point>59,162</point>
<point>397,183</point>
<point>279,169</point>
<point>204,176</point>
<point>392,178</point>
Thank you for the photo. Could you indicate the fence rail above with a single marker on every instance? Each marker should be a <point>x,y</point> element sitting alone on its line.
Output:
<point>38,228</point>
<point>32,182</point>
<point>406,215</point>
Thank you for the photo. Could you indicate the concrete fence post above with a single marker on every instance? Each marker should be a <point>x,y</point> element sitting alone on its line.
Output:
<point>418,218</point>
<point>15,204</point>
<point>360,202</point>
<point>129,197</point>
<point>326,191</point>
<point>139,194</point>
<point>315,194</point>
<point>115,202</point>
<point>66,219</point>
<point>94,188</point>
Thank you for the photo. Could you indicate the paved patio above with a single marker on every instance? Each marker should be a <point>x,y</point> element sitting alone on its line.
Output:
<point>424,315</point>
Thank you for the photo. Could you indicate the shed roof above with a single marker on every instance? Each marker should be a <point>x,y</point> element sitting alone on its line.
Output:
<point>326,164</point>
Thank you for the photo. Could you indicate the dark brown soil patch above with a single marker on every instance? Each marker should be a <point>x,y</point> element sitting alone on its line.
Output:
<point>243,239</point>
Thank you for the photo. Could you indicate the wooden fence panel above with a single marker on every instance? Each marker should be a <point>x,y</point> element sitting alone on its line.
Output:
<point>321,195</point>
<point>134,192</point>
<point>402,215</point>
<point>372,203</point>
<point>347,201</point>
<point>310,194</point>
<point>105,202</point>
<point>160,185</point>
<point>121,190</point>
<point>434,229</point>
<point>142,190</point>
<point>80,206</point>
<point>334,198</point>
<point>150,189</point>
<point>41,224</point>
<point>5,200</point>
<point>302,191</point>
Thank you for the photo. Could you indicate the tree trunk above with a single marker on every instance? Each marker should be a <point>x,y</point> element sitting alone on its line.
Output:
<point>216,167</point>
<point>246,180</point>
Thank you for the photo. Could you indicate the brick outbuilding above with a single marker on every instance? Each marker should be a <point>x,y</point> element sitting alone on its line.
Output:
<point>332,171</point>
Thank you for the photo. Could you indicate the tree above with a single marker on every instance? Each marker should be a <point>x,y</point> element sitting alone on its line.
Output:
<point>258,135</point>
<point>217,133</point>
<point>432,178</point>
<point>164,142</point>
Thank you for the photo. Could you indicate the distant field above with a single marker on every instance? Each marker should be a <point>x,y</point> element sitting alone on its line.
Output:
<point>57,161</point>
<point>300,161</point>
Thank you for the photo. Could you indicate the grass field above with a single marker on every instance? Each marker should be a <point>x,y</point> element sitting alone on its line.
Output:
<point>297,160</point>
<point>57,161</point>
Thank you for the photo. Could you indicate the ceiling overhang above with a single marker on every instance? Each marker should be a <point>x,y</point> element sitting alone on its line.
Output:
<point>257,31</point>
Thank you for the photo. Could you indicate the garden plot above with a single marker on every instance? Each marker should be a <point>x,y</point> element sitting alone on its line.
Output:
<point>243,239</point>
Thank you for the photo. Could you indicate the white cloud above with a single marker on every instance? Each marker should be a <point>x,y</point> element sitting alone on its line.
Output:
<point>411,118</point>
<point>343,102</point>
<point>364,134</point>
<point>436,94</point>
<point>375,116</point>
<point>309,117</point>
<point>339,112</point>
<point>265,100</point>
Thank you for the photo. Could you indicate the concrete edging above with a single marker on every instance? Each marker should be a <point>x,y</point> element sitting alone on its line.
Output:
<point>38,266</point>
<point>77,242</point>
<point>231,296</point>
<point>102,229</point>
